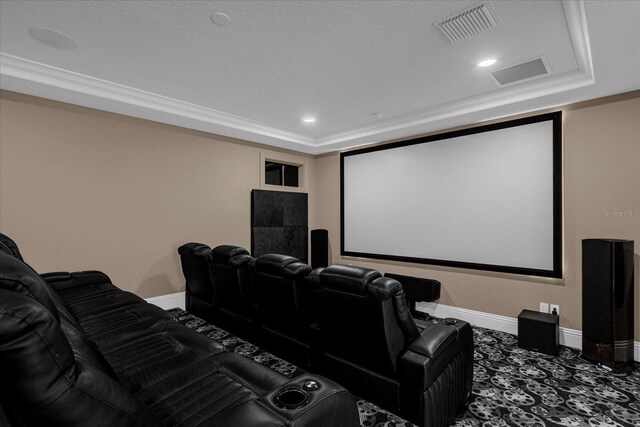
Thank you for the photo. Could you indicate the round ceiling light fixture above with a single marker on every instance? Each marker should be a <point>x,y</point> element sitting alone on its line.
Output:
<point>220,19</point>
<point>309,119</point>
<point>52,38</point>
<point>487,62</point>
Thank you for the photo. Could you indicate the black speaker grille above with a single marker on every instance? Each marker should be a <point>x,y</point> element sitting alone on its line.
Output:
<point>597,287</point>
<point>607,302</point>
<point>319,248</point>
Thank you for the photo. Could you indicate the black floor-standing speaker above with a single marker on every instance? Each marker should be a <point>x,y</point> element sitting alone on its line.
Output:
<point>607,303</point>
<point>319,248</point>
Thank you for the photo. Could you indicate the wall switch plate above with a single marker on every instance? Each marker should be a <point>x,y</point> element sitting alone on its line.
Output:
<point>544,307</point>
<point>555,307</point>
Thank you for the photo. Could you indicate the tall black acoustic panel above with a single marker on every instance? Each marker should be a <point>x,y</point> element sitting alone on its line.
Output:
<point>319,248</point>
<point>279,223</point>
<point>607,302</point>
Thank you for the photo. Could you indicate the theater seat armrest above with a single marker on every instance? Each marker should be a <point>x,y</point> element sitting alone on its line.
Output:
<point>428,354</point>
<point>61,280</point>
<point>313,278</point>
<point>328,405</point>
<point>240,261</point>
<point>297,270</point>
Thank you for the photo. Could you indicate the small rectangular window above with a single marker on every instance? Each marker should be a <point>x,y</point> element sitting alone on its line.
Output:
<point>273,173</point>
<point>281,174</point>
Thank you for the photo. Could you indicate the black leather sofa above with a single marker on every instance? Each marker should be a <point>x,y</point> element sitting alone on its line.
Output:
<point>355,327</point>
<point>77,351</point>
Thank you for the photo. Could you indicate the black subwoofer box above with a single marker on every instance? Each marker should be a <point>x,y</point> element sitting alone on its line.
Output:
<point>538,332</point>
<point>607,302</point>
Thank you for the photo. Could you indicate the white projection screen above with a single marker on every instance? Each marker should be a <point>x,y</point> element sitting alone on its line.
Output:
<point>485,198</point>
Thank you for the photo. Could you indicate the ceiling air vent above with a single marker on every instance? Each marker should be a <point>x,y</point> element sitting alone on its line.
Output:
<point>523,71</point>
<point>467,23</point>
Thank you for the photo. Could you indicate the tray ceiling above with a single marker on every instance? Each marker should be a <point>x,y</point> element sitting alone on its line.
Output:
<point>368,71</point>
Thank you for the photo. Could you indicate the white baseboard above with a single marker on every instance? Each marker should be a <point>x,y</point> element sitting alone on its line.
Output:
<point>168,301</point>
<point>568,337</point>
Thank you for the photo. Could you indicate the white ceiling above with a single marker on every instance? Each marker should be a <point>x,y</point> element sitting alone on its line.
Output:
<point>341,61</point>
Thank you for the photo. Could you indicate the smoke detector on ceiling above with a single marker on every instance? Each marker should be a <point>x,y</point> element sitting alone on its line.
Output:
<point>526,70</point>
<point>466,23</point>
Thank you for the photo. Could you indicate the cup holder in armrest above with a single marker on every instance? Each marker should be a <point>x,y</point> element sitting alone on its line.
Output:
<point>291,398</point>
<point>450,322</point>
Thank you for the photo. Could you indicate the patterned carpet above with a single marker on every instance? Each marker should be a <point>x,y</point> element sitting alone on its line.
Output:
<point>512,386</point>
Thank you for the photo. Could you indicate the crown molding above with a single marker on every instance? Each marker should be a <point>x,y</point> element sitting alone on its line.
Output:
<point>576,16</point>
<point>418,120</point>
<point>33,78</point>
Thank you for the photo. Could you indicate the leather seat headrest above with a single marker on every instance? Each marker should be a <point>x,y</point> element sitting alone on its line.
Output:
<point>4,248</point>
<point>17,276</point>
<point>11,245</point>
<point>193,249</point>
<point>223,253</point>
<point>348,278</point>
<point>281,265</point>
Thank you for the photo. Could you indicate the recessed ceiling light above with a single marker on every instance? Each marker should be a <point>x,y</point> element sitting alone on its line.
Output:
<point>309,119</point>
<point>487,62</point>
<point>52,38</point>
<point>220,19</point>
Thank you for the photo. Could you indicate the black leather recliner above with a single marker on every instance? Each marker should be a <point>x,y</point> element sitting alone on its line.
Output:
<point>234,303</point>
<point>8,246</point>
<point>372,345</point>
<point>284,306</point>
<point>199,295</point>
<point>135,367</point>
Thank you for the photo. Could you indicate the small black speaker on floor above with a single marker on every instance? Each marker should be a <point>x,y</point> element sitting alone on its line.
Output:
<point>607,302</point>
<point>538,332</point>
<point>319,248</point>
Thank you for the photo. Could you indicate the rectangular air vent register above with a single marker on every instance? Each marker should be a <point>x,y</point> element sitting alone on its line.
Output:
<point>467,23</point>
<point>526,70</point>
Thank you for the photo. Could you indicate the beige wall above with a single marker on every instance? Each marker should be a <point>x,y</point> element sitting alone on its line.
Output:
<point>83,189</point>
<point>601,173</point>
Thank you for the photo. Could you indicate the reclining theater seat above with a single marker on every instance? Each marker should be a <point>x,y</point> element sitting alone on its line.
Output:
<point>149,371</point>
<point>9,246</point>
<point>48,371</point>
<point>199,296</point>
<point>284,306</point>
<point>234,305</point>
<point>372,345</point>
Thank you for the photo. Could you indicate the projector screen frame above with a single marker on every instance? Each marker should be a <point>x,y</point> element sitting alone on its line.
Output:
<point>555,272</point>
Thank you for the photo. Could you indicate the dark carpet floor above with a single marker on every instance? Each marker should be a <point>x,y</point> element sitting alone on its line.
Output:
<point>512,386</point>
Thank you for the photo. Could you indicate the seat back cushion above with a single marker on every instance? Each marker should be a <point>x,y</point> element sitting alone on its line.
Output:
<point>224,265</point>
<point>356,324</point>
<point>17,276</point>
<point>193,257</point>
<point>11,245</point>
<point>44,384</point>
<point>280,293</point>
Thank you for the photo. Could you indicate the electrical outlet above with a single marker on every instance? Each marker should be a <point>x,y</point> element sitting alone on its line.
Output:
<point>544,307</point>
<point>555,309</point>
